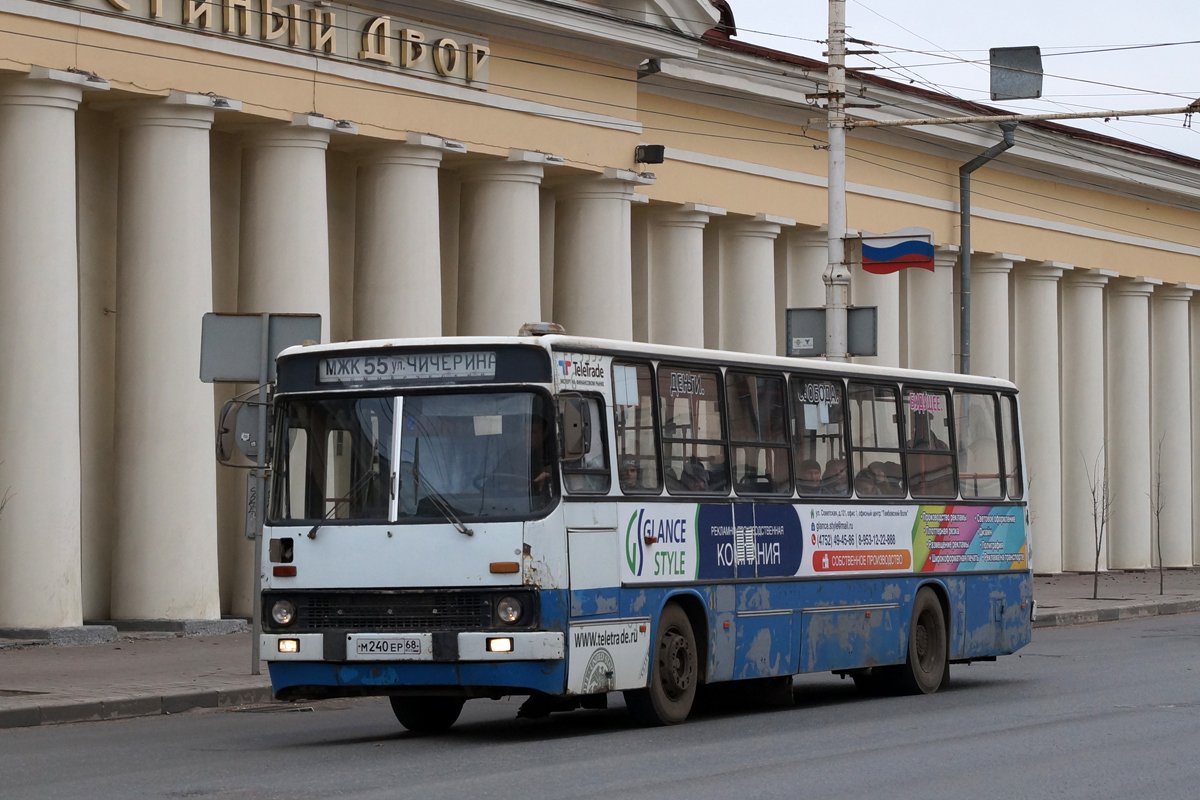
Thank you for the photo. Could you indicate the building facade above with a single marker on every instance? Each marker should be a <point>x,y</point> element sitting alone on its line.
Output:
<point>466,166</point>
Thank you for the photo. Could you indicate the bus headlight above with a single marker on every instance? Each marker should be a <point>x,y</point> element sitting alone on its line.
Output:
<point>283,612</point>
<point>509,609</point>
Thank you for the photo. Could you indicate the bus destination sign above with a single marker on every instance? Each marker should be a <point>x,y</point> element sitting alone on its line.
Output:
<point>407,367</point>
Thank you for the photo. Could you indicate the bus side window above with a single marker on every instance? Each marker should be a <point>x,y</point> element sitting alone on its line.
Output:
<point>928,452</point>
<point>819,433</point>
<point>875,439</point>
<point>692,435</point>
<point>633,420</point>
<point>757,417</point>
<point>978,448</point>
<point>1012,454</point>
<point>589,474</point>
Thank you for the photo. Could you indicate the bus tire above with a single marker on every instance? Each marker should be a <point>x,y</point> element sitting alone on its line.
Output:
<point>674,673</point>
<point>928,647</point>
<point>427,714</point>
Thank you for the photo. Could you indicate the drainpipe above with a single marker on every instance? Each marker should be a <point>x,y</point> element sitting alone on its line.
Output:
<point>964,204</point>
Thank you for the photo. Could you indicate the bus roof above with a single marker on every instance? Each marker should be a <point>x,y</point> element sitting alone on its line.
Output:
<point>585,344</point>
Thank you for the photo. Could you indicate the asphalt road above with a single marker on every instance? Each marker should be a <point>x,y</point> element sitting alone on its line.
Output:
<point>1091,712</point>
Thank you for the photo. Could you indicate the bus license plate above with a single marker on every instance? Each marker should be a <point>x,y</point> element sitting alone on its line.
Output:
<point>388,647</point>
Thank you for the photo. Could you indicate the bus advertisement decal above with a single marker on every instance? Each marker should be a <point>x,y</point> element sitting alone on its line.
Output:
<point>859,538</point>
<point>608,656</point>
<point>966,538</point>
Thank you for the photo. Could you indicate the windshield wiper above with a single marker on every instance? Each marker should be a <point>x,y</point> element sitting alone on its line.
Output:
<point>439,502</point>
<point>368,475</point>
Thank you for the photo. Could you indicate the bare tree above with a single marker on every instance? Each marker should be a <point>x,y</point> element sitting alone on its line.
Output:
<point>1158,501</point>
<point>4,500</point>
<point>1097,479</point>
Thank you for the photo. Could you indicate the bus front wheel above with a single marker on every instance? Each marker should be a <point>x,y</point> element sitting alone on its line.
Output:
<point>674,673</point>
<point>926,668</point>
<point>427,714</point>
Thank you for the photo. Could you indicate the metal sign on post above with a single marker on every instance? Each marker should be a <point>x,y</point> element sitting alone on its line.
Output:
<point>242,348</point>
<point>806,331</point>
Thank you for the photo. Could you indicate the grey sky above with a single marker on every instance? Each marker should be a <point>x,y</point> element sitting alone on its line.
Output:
<point>969,28</point>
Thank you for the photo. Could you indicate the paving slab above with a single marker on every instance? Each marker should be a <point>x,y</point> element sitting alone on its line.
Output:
<point>1066,598</point>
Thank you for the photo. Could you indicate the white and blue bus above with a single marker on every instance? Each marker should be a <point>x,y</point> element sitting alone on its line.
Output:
<point>563,517</point>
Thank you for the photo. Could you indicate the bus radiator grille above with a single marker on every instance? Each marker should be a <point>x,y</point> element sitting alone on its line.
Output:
<point>447,611</point>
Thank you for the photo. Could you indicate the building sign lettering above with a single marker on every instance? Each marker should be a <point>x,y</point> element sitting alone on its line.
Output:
<point>332,30</point>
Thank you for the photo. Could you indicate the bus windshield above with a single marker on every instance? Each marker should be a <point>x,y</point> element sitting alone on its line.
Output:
<point>486,456</point>
<point>334,459</point>
<point>480,456</point>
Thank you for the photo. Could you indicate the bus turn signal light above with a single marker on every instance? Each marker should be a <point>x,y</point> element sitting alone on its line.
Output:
<point>504,567</point>
<point>289,645</point>
<point>500,645</point>
<point>283,572</point>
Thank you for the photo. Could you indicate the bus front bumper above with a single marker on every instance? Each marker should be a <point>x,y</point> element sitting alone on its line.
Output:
<point>535,663</point>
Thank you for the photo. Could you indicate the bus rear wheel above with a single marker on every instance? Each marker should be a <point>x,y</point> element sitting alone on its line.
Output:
<point>674,673</point>
<point>427,714</point>
<point>927,665</point>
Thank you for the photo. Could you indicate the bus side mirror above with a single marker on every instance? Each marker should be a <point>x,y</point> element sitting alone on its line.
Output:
<point>576,428</point>
<point>225,432</point>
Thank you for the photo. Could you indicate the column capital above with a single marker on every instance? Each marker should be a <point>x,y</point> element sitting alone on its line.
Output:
<point>1089,277</point>
<point>994,262</point>
<point>813,236</point>
<point>1045,270</point>
<point>753,227</point>
<point>945,256</point>
<point>1176,291</point>
<point>178,109</point>
<point>595,187</point>
<point>679,216</point>
<point>43,86</point>
<point>1139,286</point>
<point>402,154</point>
<point>502,171</point>
<point>293,134</point>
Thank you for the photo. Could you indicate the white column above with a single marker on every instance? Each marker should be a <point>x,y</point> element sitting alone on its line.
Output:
<point>397,259</point>
<point>1129,459</point>
<point>676,274</point>
<point>747,281</point>
<point>283,264</point>
<point>165,560</point>
<point>1082,411</point>
<point>990,313</point>
<point>1037,377</point>
<point>450,203</point>
<point>499,279</point>
<point>39,353</point>
<point>593,279</point>
<point>1194,313</point>
<point>930,312</point>
<point>1171,431</point>
<point>807,257</point>
<point>546,231</point>
<point>883,292</point>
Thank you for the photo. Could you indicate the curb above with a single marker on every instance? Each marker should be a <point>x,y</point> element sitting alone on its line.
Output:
<point>1058,619</point>
<point>57,713</point>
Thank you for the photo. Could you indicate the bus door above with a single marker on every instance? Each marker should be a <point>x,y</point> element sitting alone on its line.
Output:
<point>764,616</point>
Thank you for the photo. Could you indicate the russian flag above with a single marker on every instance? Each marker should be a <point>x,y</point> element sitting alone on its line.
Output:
<point>888,253</point>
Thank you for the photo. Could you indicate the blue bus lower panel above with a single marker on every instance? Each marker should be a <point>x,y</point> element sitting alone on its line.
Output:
<point>297,679</point>
<point>781,628</point>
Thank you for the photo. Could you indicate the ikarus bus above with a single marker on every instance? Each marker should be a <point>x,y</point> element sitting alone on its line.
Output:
<point>561,517</point>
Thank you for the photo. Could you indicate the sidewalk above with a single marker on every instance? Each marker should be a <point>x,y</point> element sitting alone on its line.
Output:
<point>151,674</point>
<point>1066,599</point>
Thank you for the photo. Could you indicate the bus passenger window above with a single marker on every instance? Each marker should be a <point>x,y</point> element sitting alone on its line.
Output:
<point>875,438</point>
<point>633,421</point>
<point>819,433</point>
<point>928,453</point>
<point>757,415</point>
<point>693,441</point>
<point>589,474</point>
<point>1012,454</point>
<point>978,450</point>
